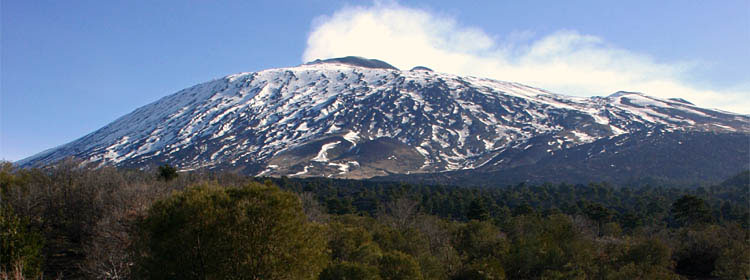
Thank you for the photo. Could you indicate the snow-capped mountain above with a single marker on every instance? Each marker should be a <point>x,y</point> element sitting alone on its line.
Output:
<point>357,118</point>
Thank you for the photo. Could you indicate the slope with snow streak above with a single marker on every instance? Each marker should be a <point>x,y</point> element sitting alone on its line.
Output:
<point>433,121</point>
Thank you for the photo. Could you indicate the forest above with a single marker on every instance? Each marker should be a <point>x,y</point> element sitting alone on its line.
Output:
<point>69,222</point>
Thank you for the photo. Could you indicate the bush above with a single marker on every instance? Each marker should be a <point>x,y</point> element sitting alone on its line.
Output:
<point>206,232</point>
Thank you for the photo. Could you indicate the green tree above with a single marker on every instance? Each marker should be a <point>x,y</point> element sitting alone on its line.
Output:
<point>477,211</point>
<point>726,211</point>
<point>599,214</point>
<point>647,259</point>
<point>399,266</point>
<point>481,269</point>
<point>734,262</point>
<point>20,247</point>
<point>691,210</point>
<point>8,178</point>
<point>482,247</point>
<point>732,247</point>
<point>349,271</point>
<point>523,209</point>
<point>480,240</point>
<point>351,244</point>
<point>167,172</point>
<point>698,250</point>
<point>547,248</point>
<point>207,232</point>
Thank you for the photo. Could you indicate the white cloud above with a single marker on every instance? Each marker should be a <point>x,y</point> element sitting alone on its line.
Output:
<point>566,61</point>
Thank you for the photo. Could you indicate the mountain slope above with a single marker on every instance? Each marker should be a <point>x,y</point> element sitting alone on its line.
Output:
<point>358,118</point>
<point>677,158</point>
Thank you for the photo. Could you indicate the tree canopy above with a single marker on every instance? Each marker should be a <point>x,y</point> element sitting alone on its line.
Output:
<point>111,223</point>
<point>252,232</point>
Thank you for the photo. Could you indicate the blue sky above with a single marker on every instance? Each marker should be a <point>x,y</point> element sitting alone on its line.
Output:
<point>70,67</point>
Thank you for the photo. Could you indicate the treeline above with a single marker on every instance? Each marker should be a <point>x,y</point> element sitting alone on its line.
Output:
<point>76,223</point>
<point>630,208</point>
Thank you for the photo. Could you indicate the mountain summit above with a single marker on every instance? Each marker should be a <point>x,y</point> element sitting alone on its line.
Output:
<point>356,61</point>
<point>354,117</point>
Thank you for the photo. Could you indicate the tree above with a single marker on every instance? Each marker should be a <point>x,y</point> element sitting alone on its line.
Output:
<point>726,211</point>
<point>480,240</point>
<point>207,232</point>
<point>599,214</point>
<point>734,261</point>
<point>482,247</point>
<point>713,250</point>
<point>399,213</point>
<point>20,247</point>
<point>477,211</point>
<point>397,266</point>
<point>646,259</point>
<point>167,172</point>
<point>351,244</point>
<point>481,269</point>
<point>691,210</point>
<point>546,248</point>
<point>349,271</point>
<point>523,209</point>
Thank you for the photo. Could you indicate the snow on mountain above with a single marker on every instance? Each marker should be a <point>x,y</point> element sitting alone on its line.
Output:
<point>357,118</point>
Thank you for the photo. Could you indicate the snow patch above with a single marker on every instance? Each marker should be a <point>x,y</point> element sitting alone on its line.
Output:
<point>582,137</point>
<point>303,172</point>
<point>323,153</point>
<point>352,137</point>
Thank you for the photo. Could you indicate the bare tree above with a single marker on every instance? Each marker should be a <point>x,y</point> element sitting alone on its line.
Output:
<point>400,213</point>
<point>312,208</point>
